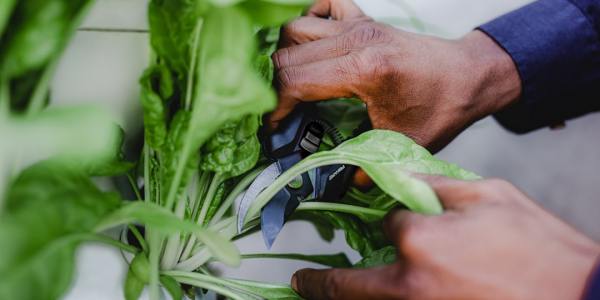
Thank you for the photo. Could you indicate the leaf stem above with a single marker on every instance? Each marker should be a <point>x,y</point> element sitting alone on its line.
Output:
<point>367,214</point>
<point>147,184</point>
<point>210,195</point>
<point>134,187</point>
<point>239,188</point>
<point>206,282</point>
<point>139,237</point>
<point>192,70</point>
<point>316,160</point>
<point>110,241</point>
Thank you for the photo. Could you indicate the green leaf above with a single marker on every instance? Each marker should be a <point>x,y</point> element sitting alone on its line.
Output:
<point>133,286</point>
<point>365,214</point>
<point>228,87</point>
<point>225,88</point>
<point>49,210</point>
<point>39,31</point>
<point>233,287</point>
<point>360,236</point>
<point>273,13</point>
<point>52,134</point>
<point>264,290</point>
<point>164,220</point>
<point>172,286</point>
<point>346,114</point>
<point>6,8</point>
<point>387,157</point>
<point>155,128</point>
<point>172,156</point>
<point>381,257</point>
<point>323,227</point>
<point>140,267</point>
<point>172,25</point>
<point>339,260</point>
<point>234,149</point>
<point>225,2</point>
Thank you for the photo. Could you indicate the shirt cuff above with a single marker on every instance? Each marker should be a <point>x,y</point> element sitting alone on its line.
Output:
<point>592,291</point>
<point>557,53</point>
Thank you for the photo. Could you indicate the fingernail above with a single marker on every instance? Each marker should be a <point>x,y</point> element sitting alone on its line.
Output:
<point>295,282</point>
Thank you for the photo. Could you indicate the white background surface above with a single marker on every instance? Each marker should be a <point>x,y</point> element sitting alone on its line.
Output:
<point>559,169</point>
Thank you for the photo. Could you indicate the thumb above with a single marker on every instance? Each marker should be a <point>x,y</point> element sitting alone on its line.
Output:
<point>336,9</point>
<point>349,284</point>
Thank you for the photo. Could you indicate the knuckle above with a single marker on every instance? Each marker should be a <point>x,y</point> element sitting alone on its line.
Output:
<point>349,67</point>
<point>374,62</point>
<point>291,29</point>
<point>294,31</point>
<point>281,57</point>
<point>366,32</point>
<point>285,79</point>
<point>333,283</point>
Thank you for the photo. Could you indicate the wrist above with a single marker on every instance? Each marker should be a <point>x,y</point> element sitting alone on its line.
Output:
<point>495,79</point>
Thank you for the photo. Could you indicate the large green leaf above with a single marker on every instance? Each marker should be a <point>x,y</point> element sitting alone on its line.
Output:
<point>49,210</point>
<point>388,157</point>
<point>227,86</point>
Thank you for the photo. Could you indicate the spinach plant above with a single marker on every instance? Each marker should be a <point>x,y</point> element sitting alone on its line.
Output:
<point>203,96</point>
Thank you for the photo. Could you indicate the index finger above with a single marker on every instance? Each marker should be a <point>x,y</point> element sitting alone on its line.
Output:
<point>322,80</point>
<point>349,284</point>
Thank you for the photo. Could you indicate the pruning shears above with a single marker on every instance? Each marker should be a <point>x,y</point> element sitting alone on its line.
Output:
<point>298,136</point>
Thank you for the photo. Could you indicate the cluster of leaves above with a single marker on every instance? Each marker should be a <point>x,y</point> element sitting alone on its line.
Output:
<point>203,96</point>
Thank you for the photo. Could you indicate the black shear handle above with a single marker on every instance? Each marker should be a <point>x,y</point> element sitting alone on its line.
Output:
<point>333,181</point>
<point>298,135</point>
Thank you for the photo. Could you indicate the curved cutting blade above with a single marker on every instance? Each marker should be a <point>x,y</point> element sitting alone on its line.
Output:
<point>264,179</point>
<point>272,217</point>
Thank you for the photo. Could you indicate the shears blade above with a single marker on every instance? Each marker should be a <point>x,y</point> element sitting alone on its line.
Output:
<point>262,181</point>
<point>272,217</point>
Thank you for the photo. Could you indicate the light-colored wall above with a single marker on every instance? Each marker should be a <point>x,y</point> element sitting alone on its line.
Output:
<point>559,169</point>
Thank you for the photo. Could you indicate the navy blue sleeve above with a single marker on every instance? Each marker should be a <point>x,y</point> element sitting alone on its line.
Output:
<point>593,286</point>
<point>555,45</point>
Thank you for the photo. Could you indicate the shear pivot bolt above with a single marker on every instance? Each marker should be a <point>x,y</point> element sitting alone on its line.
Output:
<point>296,183</point>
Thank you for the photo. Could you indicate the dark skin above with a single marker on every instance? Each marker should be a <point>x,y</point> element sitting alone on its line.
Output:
<point>493,242</point>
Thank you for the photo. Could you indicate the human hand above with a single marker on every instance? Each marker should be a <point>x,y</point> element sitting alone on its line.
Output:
<point>491,243</point>
<point>427,88</point>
